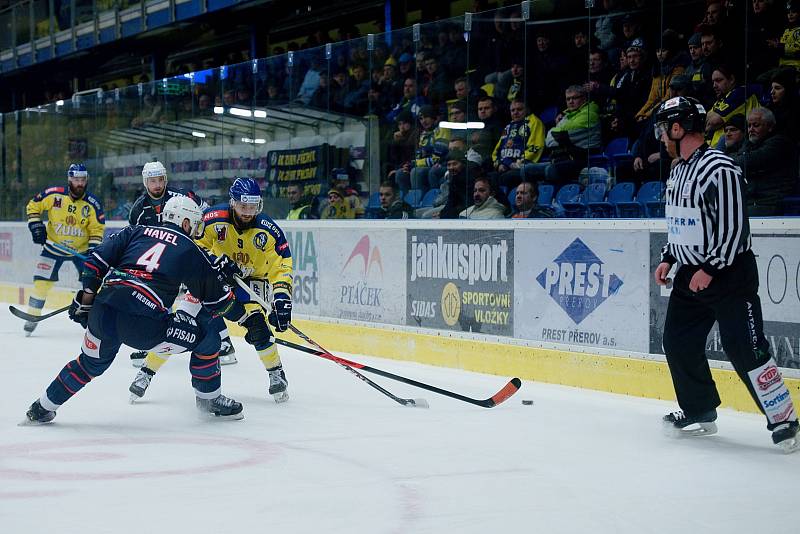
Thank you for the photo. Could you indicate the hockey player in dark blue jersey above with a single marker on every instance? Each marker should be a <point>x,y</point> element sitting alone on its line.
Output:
<point>146,266</point>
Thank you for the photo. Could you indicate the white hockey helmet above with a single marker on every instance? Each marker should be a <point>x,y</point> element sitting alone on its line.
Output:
<point>153,169</point>
<point>179,208</point>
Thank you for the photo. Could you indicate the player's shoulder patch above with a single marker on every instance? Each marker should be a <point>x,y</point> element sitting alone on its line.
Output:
<point>265,222</point>
<point>55,190</point>
<point>95,202</point>
<point>217,213</point>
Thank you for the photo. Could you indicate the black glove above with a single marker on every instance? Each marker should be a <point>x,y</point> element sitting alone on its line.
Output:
<point>258,333</point>
<point>38,232</point>
<point>78,311</point>
<point>227,267</point>
<point>281,316</point>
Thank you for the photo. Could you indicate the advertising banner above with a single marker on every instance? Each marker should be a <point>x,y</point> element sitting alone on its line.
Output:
<point>582,287</point>
<point>362,275</point>
<point>6,246</point>
<point>778,259</point>
<point>304,166</point>
<point>461,280</point>
<point>305,260</point>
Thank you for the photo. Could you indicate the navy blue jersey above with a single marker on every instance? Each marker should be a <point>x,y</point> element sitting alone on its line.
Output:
<point>147,210</point>
<point>155,262</point>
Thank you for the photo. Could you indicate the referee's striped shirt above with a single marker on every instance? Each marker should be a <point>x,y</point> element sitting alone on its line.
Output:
<point>712,183</point>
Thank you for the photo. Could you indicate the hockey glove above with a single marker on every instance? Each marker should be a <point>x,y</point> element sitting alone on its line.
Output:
<point>281,314</point>
<point>227,267</point>
<point>258,333</point>
<point>38,232</point>
<point>78,311</point>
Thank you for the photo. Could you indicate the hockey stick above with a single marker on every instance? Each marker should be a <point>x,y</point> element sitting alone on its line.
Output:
<point>35,318</point>
<point>507,391</point>
<point>414,403</point>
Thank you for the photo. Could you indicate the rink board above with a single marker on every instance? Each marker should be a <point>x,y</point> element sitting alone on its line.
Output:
<point>566,302</point>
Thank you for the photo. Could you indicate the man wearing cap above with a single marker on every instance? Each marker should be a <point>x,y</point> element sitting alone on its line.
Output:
<point>789,43</point>
<point>699,71</point>
<point>734,137</point>
<point>632,88</point>
<point>432,145</point>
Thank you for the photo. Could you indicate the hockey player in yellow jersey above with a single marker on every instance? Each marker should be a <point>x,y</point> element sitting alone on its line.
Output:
<point>258,251</point>
<point>74,219</point>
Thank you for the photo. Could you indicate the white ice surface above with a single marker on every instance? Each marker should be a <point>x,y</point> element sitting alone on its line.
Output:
<point>340,457</point>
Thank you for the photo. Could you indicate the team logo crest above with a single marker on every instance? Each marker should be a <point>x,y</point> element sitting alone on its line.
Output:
<point>85,211</point>
<point>260,240</point>
<point>71,220</point>
<point>57,202</point>
<point>222,232</point>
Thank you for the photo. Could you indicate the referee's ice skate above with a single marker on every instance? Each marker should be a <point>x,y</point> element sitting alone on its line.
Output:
<point>680,424</point>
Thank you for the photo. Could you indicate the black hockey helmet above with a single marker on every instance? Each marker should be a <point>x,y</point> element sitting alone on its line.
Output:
<point>684,110</point>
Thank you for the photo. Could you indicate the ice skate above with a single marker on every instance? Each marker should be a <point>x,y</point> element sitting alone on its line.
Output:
<point>227,354</point>
<point>29,327</point>
<point>137,358</point>
<point>680,424</point>
<point>37,415</point>
<point>220,407</point>
<point>785,436</point>
<point>140,384</point>
<point>278,384</point>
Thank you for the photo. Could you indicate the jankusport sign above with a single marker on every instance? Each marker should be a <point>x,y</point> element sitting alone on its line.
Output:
<point>582,288</point>
<point>461,280</point>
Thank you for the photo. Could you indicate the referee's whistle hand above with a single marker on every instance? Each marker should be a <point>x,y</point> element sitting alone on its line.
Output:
<point>661,272</point>
<point>700,280</point>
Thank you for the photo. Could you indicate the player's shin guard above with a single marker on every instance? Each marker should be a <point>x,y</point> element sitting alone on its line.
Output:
<point>269,356</point>
<point>775,401</point>
<point>69,381</point>
<point>277,378</point>
<point>206,375</point>
<point>154,361</point>
<point>36,302</point>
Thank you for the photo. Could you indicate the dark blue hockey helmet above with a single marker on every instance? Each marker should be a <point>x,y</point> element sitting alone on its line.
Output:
<point>77,170</point>
<point>245,197</point>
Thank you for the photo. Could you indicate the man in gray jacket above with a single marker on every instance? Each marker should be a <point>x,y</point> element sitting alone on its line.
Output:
<point>769,163</point>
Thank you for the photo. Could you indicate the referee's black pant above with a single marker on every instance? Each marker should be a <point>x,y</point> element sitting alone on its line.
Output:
<point>732,300</point>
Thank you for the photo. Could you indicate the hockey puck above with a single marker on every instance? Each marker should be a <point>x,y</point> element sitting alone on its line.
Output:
<point>527,402</point>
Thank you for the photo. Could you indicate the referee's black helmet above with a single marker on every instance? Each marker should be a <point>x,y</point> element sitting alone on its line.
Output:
<point>684,110</point>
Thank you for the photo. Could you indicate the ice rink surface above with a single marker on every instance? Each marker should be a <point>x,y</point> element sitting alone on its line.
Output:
<point>340,457</point>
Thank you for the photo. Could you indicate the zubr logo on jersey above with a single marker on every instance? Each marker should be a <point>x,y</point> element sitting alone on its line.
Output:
<point>461,280</point>
<point>578,281</point>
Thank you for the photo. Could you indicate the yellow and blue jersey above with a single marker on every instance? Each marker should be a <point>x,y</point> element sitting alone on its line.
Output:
<point>736,102</point>
<point>261,251</point>
<point>78,224</point>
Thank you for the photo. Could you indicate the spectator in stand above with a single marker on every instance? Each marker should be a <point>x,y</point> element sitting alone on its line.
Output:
<point>485,139</point>
<point>377,103</point>
<point>785,102</point>
<point>510,85</point>
<point>301,206</point>
<point>526,206</point>
<point>391,87</point>
<point>598,85</point>
<point>604,27</point>
<point>405,66</point>
<point>402,143</point>
<point>549,67</point>
<point>578,56</point>
<point>356,99</point>
<point>430,149</point>
<point>521,144</point>
<point>435,86</point>
<point>340,87</point>
<point>651,160</point>
<point>731,99</point>
<point>670,64</point>
<point>460,181</point>
<point>699,71</point>
<point>323,96</point>
<point>570,141</point>
<point>632,31</point>
<point>713,47</point>
<point>734,136</point>
<point>764,25</point>
<point>769,163</point>
<point>310,82</point>
<point>464,91</point>
<point>788,46</point>
<point>341,205</point>
<point>411,101</point>
<point>631,90</point>
<point>392,206</point>
<point>484,204</point>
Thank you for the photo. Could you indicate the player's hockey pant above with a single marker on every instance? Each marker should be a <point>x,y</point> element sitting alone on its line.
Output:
<point>109,328</point>
<point>731,299</point>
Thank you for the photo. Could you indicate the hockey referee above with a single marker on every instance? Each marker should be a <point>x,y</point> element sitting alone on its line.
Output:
<point>709,236</point>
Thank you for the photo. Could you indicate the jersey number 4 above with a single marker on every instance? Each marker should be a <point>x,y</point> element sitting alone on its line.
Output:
<point>150,259</point>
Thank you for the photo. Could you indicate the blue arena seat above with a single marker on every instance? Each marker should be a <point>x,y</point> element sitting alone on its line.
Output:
<point>548,116</point>
<point>512,196</point>
<point>427,200</point>
<point>413,197</point>
<point>622,192</point>
<point>545,194</point>
<point>579,208</point>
